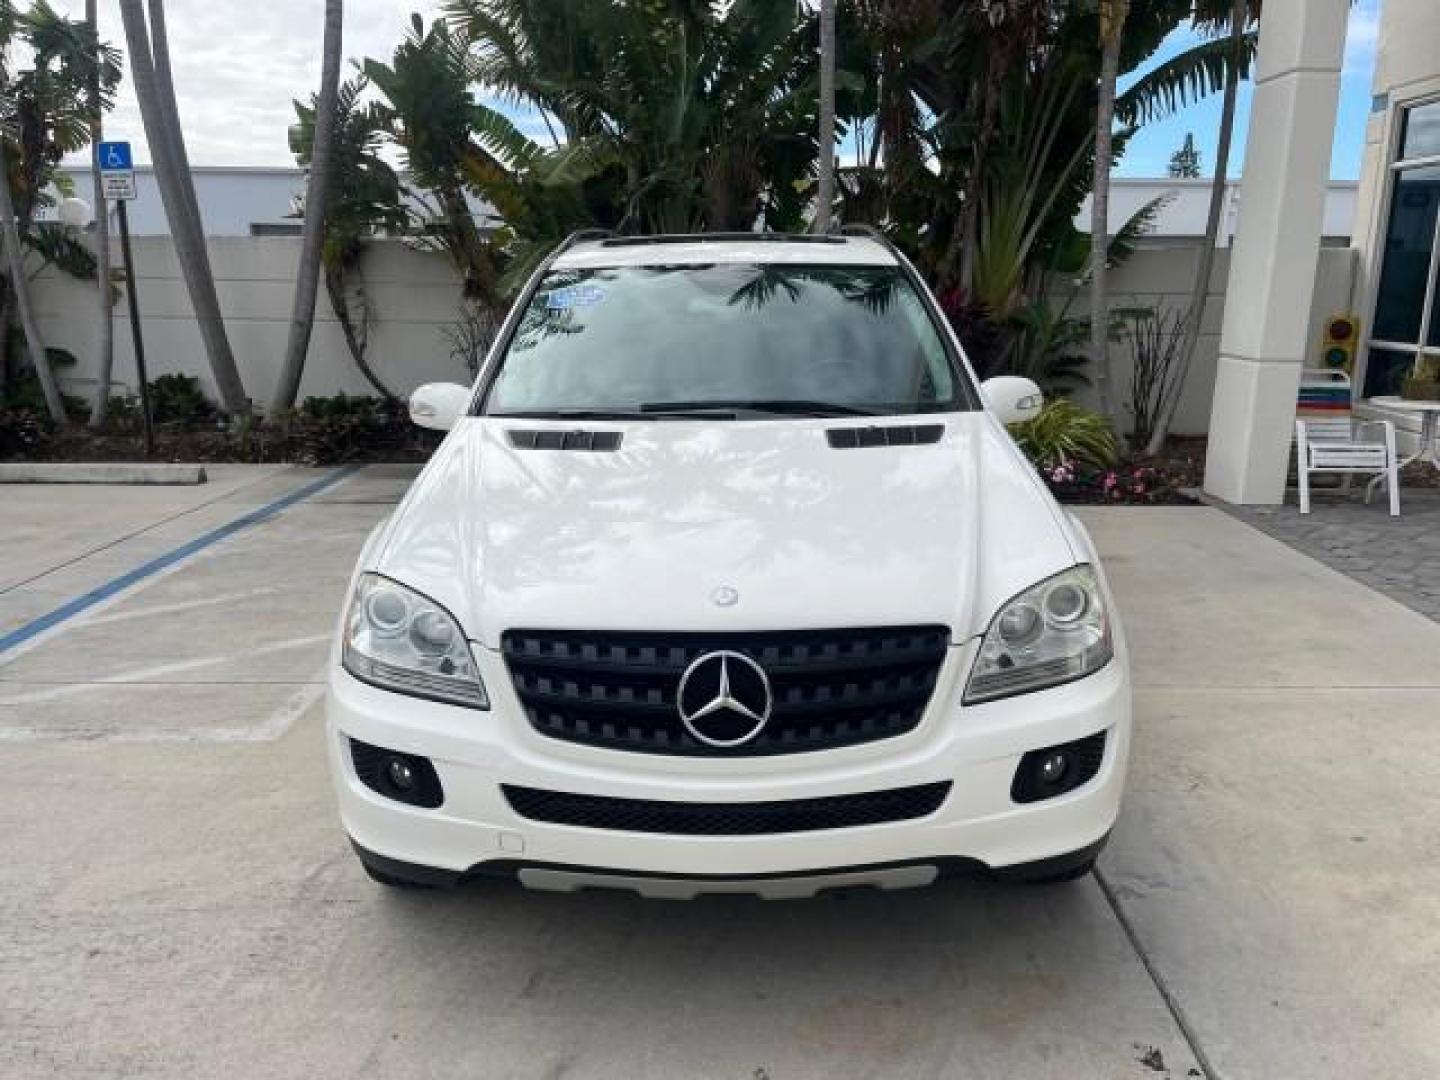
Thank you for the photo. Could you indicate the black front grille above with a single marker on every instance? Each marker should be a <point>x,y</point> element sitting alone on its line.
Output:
<point>726,819</point>
<point>831,688</point>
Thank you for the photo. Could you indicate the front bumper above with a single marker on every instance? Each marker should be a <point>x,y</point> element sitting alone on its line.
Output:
<point>977,748</point>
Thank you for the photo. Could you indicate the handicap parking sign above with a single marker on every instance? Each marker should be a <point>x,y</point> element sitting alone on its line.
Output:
<point>115,157</point>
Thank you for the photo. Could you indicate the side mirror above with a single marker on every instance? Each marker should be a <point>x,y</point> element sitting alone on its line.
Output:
<point>1012,398</point>
<point>439,405</point>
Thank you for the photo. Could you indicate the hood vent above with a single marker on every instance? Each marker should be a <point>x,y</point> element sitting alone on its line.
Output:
<point>853,438</point>
<point>559,439</point>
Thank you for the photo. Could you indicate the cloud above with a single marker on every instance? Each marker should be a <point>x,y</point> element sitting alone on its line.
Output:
<point>239,66</point>
<point>1361,41</point>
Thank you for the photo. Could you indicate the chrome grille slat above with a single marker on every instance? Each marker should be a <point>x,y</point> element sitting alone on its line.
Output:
<point>832,688</point>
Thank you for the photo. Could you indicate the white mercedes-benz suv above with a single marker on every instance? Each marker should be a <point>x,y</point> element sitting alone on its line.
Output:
<point>727,578</point>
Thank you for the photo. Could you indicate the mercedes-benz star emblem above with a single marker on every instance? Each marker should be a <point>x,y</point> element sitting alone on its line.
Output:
<point>726,596</point>
<point>724,699</point>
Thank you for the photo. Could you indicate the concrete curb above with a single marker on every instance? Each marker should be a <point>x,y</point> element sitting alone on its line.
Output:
<point>27,472</point>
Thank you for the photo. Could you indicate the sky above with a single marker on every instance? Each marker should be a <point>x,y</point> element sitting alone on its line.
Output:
<point>238,66</point>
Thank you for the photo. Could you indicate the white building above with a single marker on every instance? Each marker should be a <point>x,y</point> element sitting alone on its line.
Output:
<point>1266,336</point>
<point>264,201</point>
<point>234,201</point>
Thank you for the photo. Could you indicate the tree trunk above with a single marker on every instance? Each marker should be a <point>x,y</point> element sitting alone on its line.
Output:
<point>20,288</point>
<point>335,290</point>
<point>7,317</point>
<point>1112,29</point>
<point>105,328</point>
<point>317,195</point>
<point>825,190</point>
<point>165,85</point>
<point>1200,291</point>
<point>177,193</point>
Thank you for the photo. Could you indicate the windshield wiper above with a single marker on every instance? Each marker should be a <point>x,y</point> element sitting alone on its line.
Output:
<point>774,407</point>
<point>644,412</point>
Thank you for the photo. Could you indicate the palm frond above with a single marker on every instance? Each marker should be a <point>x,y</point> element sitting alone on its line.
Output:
<point>1185,79</point>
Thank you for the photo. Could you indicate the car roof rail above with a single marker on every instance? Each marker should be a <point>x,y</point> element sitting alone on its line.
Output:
<point>579,236</point>
<point>861,229</point>
<point>721,237</point>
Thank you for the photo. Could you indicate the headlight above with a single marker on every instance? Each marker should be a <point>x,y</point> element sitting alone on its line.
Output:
<point>399,640</point>
<point>1053,633</point>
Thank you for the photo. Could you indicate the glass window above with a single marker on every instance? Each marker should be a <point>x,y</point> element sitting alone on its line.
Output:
<point>1409,284</point>
<point>623,339</point>
<point>1385,371</point>
<point>1422,132</point>
<point>1409,246</point>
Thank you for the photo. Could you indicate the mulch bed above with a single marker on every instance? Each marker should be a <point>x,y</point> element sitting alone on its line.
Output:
<point>262,445</point>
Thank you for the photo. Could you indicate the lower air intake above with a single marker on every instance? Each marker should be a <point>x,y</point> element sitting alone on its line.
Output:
<point>726,819</point>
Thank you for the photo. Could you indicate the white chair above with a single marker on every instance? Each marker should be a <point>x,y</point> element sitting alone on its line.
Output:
<point>1328,438</point>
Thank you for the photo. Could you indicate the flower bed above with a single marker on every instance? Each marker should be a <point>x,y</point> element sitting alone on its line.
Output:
<point>1132,484</point>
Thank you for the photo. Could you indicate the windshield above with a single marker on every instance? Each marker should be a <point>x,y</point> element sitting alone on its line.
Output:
<point>726,340</point>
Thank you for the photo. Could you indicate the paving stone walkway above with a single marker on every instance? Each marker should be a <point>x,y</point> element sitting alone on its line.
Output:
<point>1399,557</point>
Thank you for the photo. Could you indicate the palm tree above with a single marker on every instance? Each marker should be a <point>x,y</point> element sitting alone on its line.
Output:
<point>150,70</point>
<point>20,287</point>
<point>44,114</point>
<point>683,116</point>
<point>104,292</point>
<point>19,282</point>
<point>317,196</point>
<point>825,192</point>
<point>365,198</point>
<point>165,85</point>
<point>1112,31</point>
<point>1241,12</point>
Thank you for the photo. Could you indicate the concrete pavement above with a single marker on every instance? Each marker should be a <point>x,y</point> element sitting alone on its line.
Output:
<point>179,902</point>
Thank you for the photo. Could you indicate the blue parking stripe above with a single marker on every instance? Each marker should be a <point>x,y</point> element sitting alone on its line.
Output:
<point>83,603</point>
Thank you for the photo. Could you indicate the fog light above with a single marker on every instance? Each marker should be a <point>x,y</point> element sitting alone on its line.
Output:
<point>1053,768</point>
<point>401,774</point>
<point>406,778</point>
<point>1058,770</point>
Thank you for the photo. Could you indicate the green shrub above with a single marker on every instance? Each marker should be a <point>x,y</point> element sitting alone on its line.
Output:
<point>179,399</point>
<point>24,394</point>
<point>1064,433</point>
<point>23,431</point>
<point>334,430</point>
<point>338,405</point>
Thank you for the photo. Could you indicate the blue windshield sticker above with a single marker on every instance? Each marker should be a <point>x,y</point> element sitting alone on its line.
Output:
<point>573,296</point>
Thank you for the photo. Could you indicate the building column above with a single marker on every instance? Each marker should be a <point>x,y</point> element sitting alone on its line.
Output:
<point>1277,249</point>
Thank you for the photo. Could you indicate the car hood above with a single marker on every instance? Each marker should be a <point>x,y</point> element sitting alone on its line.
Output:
<point>743,525</point>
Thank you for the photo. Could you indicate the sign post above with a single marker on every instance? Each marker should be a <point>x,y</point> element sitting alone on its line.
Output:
<point>117,179</point>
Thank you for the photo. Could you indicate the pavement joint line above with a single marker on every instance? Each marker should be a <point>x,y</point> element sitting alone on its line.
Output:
<point>1172,1004</point>
<point>151,673</point>
<point>171,559</point>
<point>273,727</point>
<point>138,532</point>
<point>179,606</point>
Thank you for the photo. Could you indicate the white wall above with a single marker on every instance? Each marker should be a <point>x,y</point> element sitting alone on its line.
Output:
<point>232,198</point>
<point>413,297</point>
<point>1184,217</point>
<point>1160,278</point>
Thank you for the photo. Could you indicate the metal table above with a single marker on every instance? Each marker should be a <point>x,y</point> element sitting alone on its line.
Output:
<point>1429,426</point>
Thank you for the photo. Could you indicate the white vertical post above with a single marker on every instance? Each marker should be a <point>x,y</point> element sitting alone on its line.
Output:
<point>1276,252</point>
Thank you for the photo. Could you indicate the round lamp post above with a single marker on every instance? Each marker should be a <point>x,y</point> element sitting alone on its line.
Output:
<point>75,214</point>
